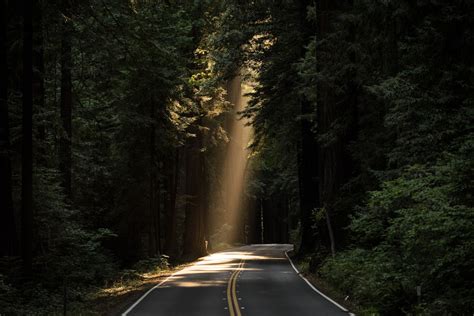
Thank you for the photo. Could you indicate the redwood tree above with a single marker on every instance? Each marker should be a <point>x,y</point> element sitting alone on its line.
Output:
<point>7,217</point>
<point>65,153</point>
<point>27,139</point>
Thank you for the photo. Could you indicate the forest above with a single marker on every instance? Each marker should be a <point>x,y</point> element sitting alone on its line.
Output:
<point>137,134</point>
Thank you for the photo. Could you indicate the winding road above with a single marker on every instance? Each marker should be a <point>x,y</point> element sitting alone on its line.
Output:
<point>257,280</point>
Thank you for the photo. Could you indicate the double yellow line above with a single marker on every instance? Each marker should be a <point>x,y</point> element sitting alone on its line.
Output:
<point>234,308</point>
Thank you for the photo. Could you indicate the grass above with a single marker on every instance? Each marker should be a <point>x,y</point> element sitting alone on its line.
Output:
<point>116,297</point>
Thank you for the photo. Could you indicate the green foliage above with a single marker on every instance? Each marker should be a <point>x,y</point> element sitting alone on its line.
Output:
<point>151,264</point>
<point>409,198</point>
<point>69,256</point>
<point>141,84</point>
<point>415,231</point>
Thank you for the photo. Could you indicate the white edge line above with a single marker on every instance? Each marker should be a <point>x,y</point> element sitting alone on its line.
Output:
<point>314,288</point>
<point>154,288</point>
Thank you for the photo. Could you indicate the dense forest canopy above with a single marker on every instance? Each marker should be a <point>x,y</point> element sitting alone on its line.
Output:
<point>153,132</point>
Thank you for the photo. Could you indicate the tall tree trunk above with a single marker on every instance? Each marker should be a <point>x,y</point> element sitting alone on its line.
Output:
<point>259,220</point>
<point>38,82</point>
<point>158,211</point>
<point>326,155</point>
<point>308,184</point>
<point>254,225</point>
<point>204,201</point>
<point>270,214</point>
<point>284,219</point>
<point>27,140</point>
<point>172,169</point>
<point>152,244</point>
<point>336,164</point>
<point>194,234</point>
<point>65,153</point>
<point>307,156</point>
<point>8,236</point>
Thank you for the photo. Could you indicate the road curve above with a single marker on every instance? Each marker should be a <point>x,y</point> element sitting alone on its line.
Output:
<point>254,280</point>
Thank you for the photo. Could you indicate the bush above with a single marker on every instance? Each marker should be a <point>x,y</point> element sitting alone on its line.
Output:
<point>152,264</point>
<point>418,230</point>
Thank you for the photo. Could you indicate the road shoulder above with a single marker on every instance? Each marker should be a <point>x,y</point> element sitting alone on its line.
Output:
<point>320,286</point>
<point>119,296</point>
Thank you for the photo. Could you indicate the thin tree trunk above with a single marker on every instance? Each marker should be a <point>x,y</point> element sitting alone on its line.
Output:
<point>204,200</point>
<point>259,221</point>
<point>158,211</point>
<point>261,212</point>
<point>65,152</point>
<point>27,141</point>
<point>8,236</point>
<point>331,234</point>
<point>284,230</point>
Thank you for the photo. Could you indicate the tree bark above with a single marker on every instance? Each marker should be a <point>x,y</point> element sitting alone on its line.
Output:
<point>152,222</point>
<point>331,234</point>
<point>270,219</point>
<point>336,164</point>
<point>65,152</point>
<point>158,210</point>
<point>284,218</point>
<point>38,83</point>
<point>308,183</point>
<point>194,234</point>
<point>254,225</point>
<point>307,157</point>
<point>8,234</point>
<point>27,141</point>
<point>327,157</point>
<point>172,170</point>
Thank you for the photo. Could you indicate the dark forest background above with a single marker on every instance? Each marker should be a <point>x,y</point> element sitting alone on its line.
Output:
<point>114,113</point>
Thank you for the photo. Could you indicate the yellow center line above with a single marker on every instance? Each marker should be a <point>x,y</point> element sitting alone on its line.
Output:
<point>229,299</point>
<point>230,292</point>
<point>232,300</point>
<point>234,293</point>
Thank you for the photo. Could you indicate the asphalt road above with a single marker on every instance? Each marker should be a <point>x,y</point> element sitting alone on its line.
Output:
<point>256,280</point>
